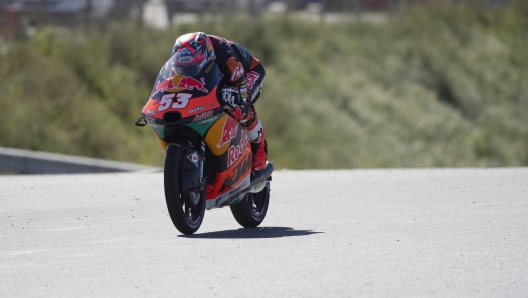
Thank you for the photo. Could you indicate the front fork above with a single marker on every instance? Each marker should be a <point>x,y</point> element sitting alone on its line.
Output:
<point>192,167</point>
<point>191,179</point>
<point>201,155</point>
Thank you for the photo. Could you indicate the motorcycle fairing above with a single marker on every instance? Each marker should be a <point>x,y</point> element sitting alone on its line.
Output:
<point>178,100</point>
<point>230,145</point>
<point>232,196</point>
<point>179,108</point>
<point>198,102</point>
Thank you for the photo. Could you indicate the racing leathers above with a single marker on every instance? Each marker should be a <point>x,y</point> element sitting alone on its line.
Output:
<point>240,87</point>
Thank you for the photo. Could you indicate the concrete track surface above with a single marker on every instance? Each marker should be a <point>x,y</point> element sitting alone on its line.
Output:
<point>356,233</point>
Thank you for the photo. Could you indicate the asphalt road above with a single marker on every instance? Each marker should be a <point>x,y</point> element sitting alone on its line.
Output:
<point>358,233</point>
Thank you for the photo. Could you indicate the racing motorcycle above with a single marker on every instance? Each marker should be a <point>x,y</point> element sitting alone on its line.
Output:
<point>208,154</point>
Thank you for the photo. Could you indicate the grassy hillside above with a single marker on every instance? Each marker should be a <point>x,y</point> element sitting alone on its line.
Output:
<point>433,86</point>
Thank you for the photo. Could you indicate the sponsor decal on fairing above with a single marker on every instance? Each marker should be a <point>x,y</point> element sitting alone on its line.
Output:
<point>147,111</point>
<point>191,83</point>
<point>149,119</point>
<point>182,100</point>
<point>202,116</point>
<point>229,196</point>
<point>194,158</point>
<point>235,151</point>
<point>229,131</point>
<point>200,108</point>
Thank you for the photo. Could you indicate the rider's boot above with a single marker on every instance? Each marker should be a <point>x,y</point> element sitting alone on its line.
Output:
<point>259,155</point>
<point>248,119</point>
<point>259,148</point>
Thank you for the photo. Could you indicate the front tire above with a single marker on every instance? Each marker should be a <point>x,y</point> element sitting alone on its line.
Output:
<point>251,211</point>
<point>186,216</point>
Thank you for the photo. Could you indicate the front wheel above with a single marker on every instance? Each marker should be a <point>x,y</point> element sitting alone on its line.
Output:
<point>251,210</point>
<point>186,212</point>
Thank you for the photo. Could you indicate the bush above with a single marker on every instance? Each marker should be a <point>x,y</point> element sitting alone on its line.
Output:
<point>433,86</point>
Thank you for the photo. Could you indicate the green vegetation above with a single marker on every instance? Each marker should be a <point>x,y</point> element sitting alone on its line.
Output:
<point>431,87</point>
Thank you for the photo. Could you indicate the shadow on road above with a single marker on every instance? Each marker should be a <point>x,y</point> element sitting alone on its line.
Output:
<point>259,232</point>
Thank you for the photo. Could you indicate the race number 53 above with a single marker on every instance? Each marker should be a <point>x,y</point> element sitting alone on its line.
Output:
<point>182,99</point>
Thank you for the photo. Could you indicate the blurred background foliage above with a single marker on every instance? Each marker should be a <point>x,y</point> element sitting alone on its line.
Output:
<point>433,85</point>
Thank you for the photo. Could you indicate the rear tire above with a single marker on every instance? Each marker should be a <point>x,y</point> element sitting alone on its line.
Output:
<point>251,211</point>
<point>185,216</point>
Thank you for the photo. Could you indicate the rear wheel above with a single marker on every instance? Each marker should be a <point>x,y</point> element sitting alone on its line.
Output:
<point>186,212</point>
<point>251,210</point>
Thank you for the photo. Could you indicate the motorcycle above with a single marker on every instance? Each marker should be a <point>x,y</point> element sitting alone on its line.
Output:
<point>208,154</point>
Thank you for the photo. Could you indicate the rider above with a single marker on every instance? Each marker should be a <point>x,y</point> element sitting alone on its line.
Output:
<point>240,86</point>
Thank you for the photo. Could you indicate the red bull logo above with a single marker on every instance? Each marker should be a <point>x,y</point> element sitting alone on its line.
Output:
<point>191,83</point>
<point>177,84</point>
<point>234,152</point>
<point>162,87</point>
<point>229,131</point>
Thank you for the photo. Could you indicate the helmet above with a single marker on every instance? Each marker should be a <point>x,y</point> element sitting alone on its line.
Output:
<point>191,53</point>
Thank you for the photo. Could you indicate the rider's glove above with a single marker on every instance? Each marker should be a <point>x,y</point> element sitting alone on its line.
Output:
<point>230,98</point>
<point>244,114</point>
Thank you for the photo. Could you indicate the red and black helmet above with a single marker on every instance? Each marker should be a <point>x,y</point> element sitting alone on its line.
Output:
<point>191,53</point>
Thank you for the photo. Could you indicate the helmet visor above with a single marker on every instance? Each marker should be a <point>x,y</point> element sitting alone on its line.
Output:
<point>180,66</point>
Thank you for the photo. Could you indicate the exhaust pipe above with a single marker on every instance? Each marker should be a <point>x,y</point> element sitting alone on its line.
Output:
<point>259,180</point>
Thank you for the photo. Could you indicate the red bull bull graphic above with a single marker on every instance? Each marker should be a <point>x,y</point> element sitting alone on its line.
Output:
<point>177,84</point>
<point>166,85</point>
<point>229,131</point>
<point>191,83</point>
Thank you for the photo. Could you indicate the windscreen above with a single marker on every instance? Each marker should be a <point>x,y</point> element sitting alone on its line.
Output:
<point>209,74</point>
